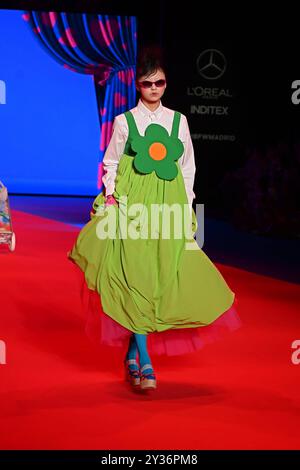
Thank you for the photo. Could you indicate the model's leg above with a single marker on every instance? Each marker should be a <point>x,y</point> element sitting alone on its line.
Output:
<point>141,341</point>
<point>148,379</point>
<point>132,352</point>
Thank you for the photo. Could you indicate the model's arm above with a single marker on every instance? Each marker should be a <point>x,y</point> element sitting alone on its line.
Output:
<point>113,153</point>
<point>187,161</point>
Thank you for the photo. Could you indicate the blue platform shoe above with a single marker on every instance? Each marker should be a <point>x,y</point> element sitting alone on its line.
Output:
<point>132,376</point>
<point>147,379</point>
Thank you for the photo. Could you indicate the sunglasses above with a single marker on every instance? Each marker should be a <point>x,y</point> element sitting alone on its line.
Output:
<point>148,84</point>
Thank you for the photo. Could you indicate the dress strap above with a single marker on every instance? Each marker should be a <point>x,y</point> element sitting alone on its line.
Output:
<point>175,126</point>
<point>133,130</point>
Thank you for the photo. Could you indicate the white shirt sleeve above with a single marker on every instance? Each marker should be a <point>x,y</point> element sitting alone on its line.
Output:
<point>113,153</point>
<point>187,161</point>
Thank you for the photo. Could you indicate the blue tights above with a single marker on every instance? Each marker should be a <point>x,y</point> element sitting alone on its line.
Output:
<point>138,344</point>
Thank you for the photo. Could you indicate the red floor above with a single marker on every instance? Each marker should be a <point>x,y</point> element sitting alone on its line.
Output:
<point>57,391</point>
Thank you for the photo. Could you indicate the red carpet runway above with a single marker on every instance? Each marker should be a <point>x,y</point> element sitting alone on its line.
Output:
<point>59,391</point>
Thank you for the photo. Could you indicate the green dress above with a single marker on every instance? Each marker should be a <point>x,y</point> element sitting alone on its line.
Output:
<point>151,284</point>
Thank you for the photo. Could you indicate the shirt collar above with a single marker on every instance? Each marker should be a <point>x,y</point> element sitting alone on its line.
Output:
<point>147,112</point>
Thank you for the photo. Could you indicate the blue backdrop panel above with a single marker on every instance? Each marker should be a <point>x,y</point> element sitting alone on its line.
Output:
<point>49,125</point>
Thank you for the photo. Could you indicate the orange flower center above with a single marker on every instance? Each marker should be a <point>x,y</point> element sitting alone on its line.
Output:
<point>157,151</point>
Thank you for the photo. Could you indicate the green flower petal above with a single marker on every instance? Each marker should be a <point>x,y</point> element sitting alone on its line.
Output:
<point>177,148</point>
<point>138,144</point>
<point>142,164</point>
<point>167,170</point>
<point>155,132</point>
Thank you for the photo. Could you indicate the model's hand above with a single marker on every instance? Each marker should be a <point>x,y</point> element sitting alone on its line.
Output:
<point>110,200</point>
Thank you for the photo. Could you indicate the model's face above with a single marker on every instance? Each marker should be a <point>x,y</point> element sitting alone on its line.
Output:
<point>154,92</point>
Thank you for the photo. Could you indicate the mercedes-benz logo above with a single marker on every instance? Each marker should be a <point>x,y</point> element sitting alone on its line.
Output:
<point>211,64</point>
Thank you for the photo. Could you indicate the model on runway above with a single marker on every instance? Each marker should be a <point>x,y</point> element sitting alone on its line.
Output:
<point>150,284</point>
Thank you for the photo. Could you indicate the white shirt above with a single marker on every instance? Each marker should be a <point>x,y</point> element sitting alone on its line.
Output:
<point>143,117</point>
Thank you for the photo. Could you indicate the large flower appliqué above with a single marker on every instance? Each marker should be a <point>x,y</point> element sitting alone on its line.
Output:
<point>157,151</point>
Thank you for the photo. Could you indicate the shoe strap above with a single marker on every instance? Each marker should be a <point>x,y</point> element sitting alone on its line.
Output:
<point>131,361</point>
<point>146,366</point>
<point>134,373</point>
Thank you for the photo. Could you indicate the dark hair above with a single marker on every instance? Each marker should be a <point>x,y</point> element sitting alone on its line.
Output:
<point>150,59</point>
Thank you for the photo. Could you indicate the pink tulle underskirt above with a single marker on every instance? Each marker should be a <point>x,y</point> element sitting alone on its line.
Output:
<point>103,330</point>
